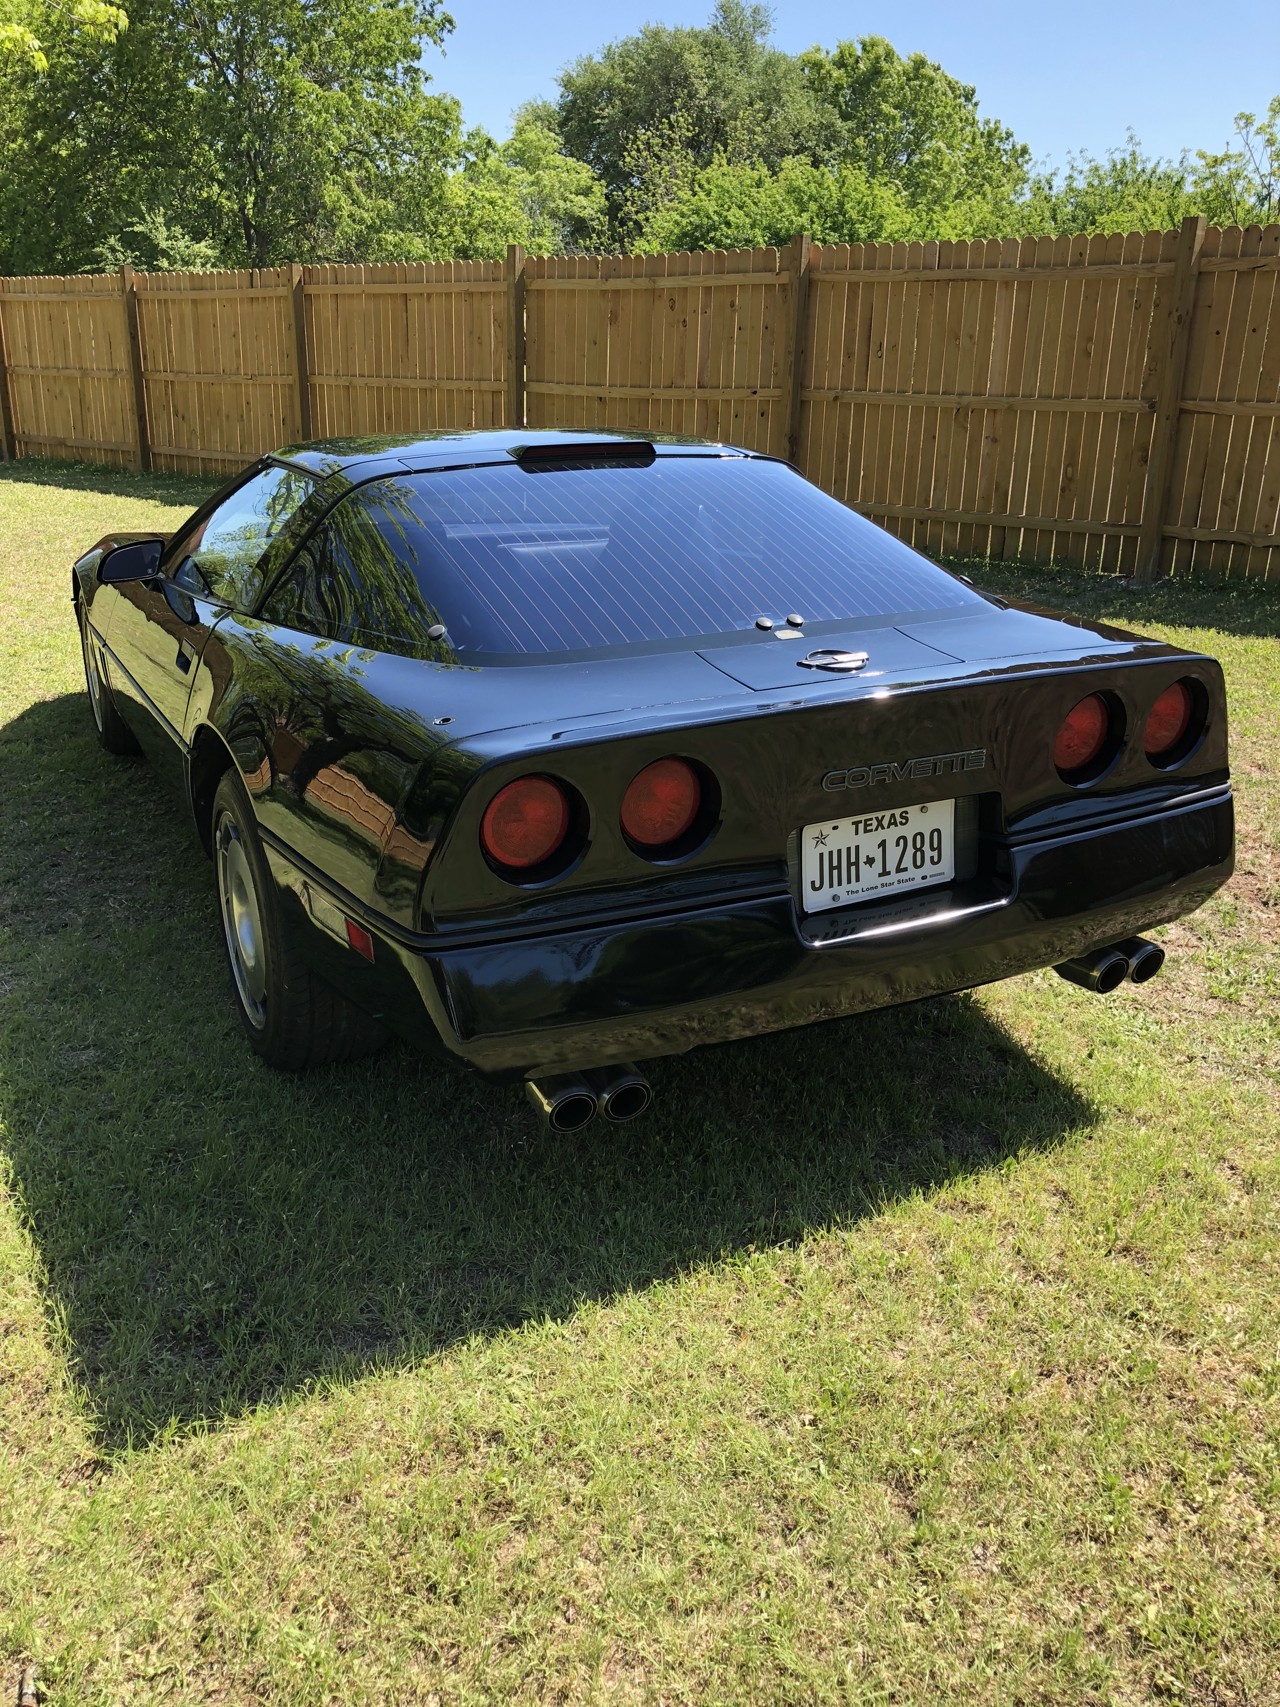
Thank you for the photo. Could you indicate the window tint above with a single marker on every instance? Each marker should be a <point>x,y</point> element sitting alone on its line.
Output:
<point>220,557</point>
<point>355,580</point>
<point>569,559</point>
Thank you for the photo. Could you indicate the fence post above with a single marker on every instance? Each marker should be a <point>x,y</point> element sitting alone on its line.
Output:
<point>8,438</point>
<point>793,379</point>
<point>129,289</point>
<point>515,335</point>
<point>302,363</point>
<point>1174,340</point>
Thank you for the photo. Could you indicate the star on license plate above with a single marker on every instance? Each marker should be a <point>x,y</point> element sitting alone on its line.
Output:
<point>848,859</point>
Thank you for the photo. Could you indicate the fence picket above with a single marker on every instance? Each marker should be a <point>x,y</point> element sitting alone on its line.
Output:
<point>1113,400</point>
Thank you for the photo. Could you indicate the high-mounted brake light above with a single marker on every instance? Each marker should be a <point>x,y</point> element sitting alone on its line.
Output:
<point>525,823</point>
<point>661,803</point>
<point>1081,735</point>
<point>1168,721</point>
<point>588,453</point>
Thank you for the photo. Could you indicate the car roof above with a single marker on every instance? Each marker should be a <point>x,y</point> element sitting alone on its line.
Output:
<point>393,453</point>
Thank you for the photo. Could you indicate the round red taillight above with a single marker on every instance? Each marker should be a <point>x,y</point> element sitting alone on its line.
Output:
<point>525,822</point>
<point>1168,721</point>
<point>1082,735</point>
<point>661,803</point>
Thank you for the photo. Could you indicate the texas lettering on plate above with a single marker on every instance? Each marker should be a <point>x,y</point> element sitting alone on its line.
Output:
<point>848,859</point>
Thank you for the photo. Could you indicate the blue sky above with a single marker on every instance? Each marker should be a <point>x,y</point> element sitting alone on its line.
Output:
<point>1062,76</point>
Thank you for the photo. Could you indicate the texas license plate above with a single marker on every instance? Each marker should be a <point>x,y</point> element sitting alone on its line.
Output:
<point>848,859</point>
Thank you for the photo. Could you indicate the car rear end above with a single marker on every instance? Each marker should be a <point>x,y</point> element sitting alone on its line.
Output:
<point>719,757</point>
<point>858,846</point>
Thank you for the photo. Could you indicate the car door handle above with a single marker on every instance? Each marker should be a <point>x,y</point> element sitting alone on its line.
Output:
<point>185,657</point>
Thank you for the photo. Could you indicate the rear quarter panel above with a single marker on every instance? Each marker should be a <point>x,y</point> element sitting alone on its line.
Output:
<point>329,746</point>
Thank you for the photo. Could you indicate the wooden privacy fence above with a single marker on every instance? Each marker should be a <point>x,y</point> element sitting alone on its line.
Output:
<point>1102,400</point>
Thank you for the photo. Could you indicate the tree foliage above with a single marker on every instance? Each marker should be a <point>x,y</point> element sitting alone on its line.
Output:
<point>282,130</point>
<point>315,117</point>
<point>715,93</point>
<point>908,123</point>
<point>152,245</point>
<point>194,133</point>
<point>24,24</point>
<point>1128,190</point>
<point>1125,190</point>
<point>1241,186</point>
<point>732,206</point>
<point>526,190</point>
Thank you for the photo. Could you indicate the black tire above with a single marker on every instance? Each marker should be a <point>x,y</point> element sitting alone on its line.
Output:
<point>111,729</point>
<point>292,1019</point>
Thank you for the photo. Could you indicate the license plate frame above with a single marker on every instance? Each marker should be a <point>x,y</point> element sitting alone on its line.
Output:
<point>861,845</point>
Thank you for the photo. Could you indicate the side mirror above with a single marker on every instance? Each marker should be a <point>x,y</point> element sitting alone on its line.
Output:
<point>137,561</point>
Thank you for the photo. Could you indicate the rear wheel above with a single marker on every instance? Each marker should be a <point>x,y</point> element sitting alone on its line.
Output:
<point>291,1018</point>
<point>112,730</point>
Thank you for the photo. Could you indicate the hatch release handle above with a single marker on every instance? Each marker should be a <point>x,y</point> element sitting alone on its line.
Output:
<point>831,658</point>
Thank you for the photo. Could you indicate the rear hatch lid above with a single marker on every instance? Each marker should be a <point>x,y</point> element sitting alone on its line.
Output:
<point>785,658</point>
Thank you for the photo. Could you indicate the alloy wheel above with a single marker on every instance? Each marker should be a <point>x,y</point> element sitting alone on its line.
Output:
<point>241,920</point>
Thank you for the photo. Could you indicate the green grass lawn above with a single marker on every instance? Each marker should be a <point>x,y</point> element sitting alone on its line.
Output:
<point>930,1356</point>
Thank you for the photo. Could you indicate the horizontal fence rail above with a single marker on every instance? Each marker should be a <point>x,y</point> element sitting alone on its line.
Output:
<point>1112,401</point>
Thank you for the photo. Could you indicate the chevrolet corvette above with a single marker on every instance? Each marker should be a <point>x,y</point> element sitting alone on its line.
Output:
<point>559,752</point>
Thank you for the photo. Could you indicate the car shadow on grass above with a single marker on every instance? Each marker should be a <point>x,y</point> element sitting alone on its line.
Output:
<point>215,1236</point>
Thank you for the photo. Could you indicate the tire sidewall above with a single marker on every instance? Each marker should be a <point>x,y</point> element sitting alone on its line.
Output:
<point>92,672</point>
<point>231,802</point>
<point>113,733</point>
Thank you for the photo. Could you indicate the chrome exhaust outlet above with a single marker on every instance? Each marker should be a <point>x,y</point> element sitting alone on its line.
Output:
<point>1101,970</point>
<point>1145,958</point>
<point>566,1103</point>
<point>624,1092</point>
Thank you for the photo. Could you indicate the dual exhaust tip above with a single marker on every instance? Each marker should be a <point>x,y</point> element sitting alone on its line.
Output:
<point>570,1101</point>
<point>1105,969</point>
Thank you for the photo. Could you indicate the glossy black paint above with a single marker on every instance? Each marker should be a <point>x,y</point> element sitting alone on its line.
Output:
<point>369,774</point>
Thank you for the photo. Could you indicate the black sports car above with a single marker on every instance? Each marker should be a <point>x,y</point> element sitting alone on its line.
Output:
<point>563,751</point>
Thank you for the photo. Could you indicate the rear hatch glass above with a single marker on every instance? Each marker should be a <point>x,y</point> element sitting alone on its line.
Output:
<point>534,565</point>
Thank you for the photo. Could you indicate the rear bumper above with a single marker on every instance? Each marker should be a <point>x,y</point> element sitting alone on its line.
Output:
<point>636,989</point>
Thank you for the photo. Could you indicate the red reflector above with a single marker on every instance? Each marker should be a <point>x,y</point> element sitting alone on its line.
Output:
<point>525,822</point>
<point>1082,734</point>
<point>1168,721</point>
<point>661,803</point>
<point>360,940</point>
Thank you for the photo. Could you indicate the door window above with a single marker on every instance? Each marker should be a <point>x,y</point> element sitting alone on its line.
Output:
<point>221,557</point>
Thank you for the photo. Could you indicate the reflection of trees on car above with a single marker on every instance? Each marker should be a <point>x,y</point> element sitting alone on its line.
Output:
<point>330,710</point>
<point>356,582</point>
<point>228,556</point>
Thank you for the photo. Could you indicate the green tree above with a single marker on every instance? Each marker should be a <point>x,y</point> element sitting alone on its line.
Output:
<point>153,245</point>
<point>25,23</point>
<point>728,205</point>
<point>526,190</point>
<point>908,123</point>
<point>35,36</point>
<point>729,93</point>
<point>273,129</point>
<point>1125,190</point>
<point>316,116</point>
<point>1241,186</point>
<point>74,169</point>
<point>1130,190</point>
